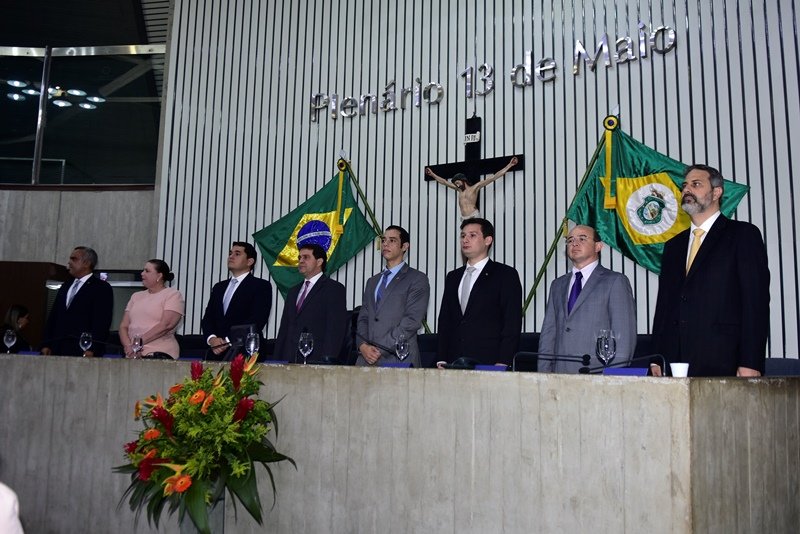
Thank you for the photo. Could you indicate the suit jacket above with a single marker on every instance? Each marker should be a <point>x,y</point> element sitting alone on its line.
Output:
<point>401,311</point>
<point>716,316</point>
<point>606,301</point>
<point>324,314</point>
<point>489,329</point>
<point>250,304</point>
<point>90,311</point>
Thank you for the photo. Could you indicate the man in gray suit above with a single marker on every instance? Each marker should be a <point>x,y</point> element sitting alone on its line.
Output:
<point>394,304</point>
<point>581,303</point>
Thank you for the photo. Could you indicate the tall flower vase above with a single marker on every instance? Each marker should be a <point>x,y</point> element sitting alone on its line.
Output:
<point>216,519</point>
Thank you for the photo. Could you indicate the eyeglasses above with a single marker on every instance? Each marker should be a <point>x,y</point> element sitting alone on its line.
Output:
<point>582,239</point>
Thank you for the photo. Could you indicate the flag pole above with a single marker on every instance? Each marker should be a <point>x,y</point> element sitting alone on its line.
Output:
<point>344,164</point>
<point>561,230</point>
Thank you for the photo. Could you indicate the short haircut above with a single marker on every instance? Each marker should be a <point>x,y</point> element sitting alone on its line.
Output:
<point>89,255</point>
<point>249,250</point>
<point>404,235</point>
<point>487,229</point>
<point>162,268</point>
<point>714,176</point>
<point>318,252</point>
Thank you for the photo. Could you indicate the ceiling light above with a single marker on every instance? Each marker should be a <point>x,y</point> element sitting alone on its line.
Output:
<point>76,92</point>
<point>84,105</point>
<point>95,99</point>
<point>32,92</point>
<point>16,83</point>
<point>15,96</point>
<point>62,103</point>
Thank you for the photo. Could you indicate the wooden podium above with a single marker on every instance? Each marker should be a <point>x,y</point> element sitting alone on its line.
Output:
<point>399,450</point>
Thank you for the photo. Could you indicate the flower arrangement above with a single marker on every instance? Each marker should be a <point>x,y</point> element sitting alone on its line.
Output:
<point>206,436</point>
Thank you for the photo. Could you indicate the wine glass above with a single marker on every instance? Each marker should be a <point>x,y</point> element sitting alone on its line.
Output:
<point>85,341</point>
<point>9,339</point>
<point>136,345</point>
<point>306,345</point>
<point>252,343</point>
<point>401,347</point>
<point>606,346</point>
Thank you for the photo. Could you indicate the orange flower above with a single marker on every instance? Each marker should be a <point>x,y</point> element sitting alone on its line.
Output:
<point>206,404</point>
<point>150,454</point>
<point>176,388</point>
<point>198,397</point>
<point>152,433</point>
<point>177,483</point>
<point>250,366</point>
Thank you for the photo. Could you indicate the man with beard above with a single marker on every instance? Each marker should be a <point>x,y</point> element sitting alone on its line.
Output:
<point>712,310</point>
<point>468,193</point>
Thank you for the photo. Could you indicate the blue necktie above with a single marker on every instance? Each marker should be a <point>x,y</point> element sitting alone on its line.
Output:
<point>382,287</point>
<point>574,292</point>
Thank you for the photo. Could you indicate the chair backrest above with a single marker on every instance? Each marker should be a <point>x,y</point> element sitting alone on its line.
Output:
<point>782,367</point>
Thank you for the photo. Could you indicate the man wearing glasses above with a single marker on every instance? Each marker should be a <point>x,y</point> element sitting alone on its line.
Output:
<point>394,304</point>
<point>583,302</point>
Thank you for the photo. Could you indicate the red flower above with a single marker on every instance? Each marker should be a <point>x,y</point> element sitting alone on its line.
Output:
<point>243,408</point>
<point>130,448</point>
<point>151,433</point>
<point>147,466</point>
<point>237,370</point>
<point>197,371</point>
<point>160,414</point>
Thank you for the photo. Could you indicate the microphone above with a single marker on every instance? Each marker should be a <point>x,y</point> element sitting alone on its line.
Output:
<point>626,363</point>
<point>584,360</point>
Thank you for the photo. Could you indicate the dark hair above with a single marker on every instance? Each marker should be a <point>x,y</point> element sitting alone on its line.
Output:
<point>714,176</point>
<point>404,235</point>
<point>88,255</point>
<point>14,313</point>
<point>317,251</point>
<point>487,229</point>
<point>249,250</point>
<point>163,269</point>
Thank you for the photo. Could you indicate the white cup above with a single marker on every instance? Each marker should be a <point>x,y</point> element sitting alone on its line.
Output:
<point>679,370</point>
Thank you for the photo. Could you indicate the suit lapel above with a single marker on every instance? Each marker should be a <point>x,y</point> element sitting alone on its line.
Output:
<point>480,283</point>
<point>315,290</point>
<point>393,284</point>
<point>237,295</point>
<point>708,245</point>
<point>594,280</point>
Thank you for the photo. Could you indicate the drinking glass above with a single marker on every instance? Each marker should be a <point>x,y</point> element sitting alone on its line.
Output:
<point>9,339</point>
<point>306,345</point>
<point>85,341</point>
<point>252,343</point>
<point>606,346</point>
<point>136,345</point>
<point>401,347</point>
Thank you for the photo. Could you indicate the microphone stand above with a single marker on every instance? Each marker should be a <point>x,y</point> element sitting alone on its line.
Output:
<point>584,360</point>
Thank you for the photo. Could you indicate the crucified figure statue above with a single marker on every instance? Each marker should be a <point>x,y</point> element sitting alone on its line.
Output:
<point>468,193</point>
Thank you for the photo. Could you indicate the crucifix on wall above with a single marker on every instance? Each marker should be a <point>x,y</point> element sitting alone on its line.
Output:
<point>465,176</point>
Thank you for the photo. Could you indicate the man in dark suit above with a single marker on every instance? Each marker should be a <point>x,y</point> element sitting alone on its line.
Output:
<point>712,310</point>
<point>583,302</point>
<point>242,300</point>
<point>84,303</point>
<point>318,305</point>
<point>394,304</point>
<point>481,311</point>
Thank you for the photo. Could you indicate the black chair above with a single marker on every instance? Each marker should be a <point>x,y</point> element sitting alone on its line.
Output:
<point>782,367</point>
<point>526,361</point>
<point>428,350</point>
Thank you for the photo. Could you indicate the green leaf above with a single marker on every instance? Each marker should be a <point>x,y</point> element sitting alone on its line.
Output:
<point>246,490</point>
<point>195,500</point>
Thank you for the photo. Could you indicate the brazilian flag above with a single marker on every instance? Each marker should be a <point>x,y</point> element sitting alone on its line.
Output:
<point>631,195</point>
<point>330,218</point>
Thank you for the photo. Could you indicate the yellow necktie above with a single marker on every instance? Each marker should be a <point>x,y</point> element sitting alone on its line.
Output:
<point>698,233</point>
